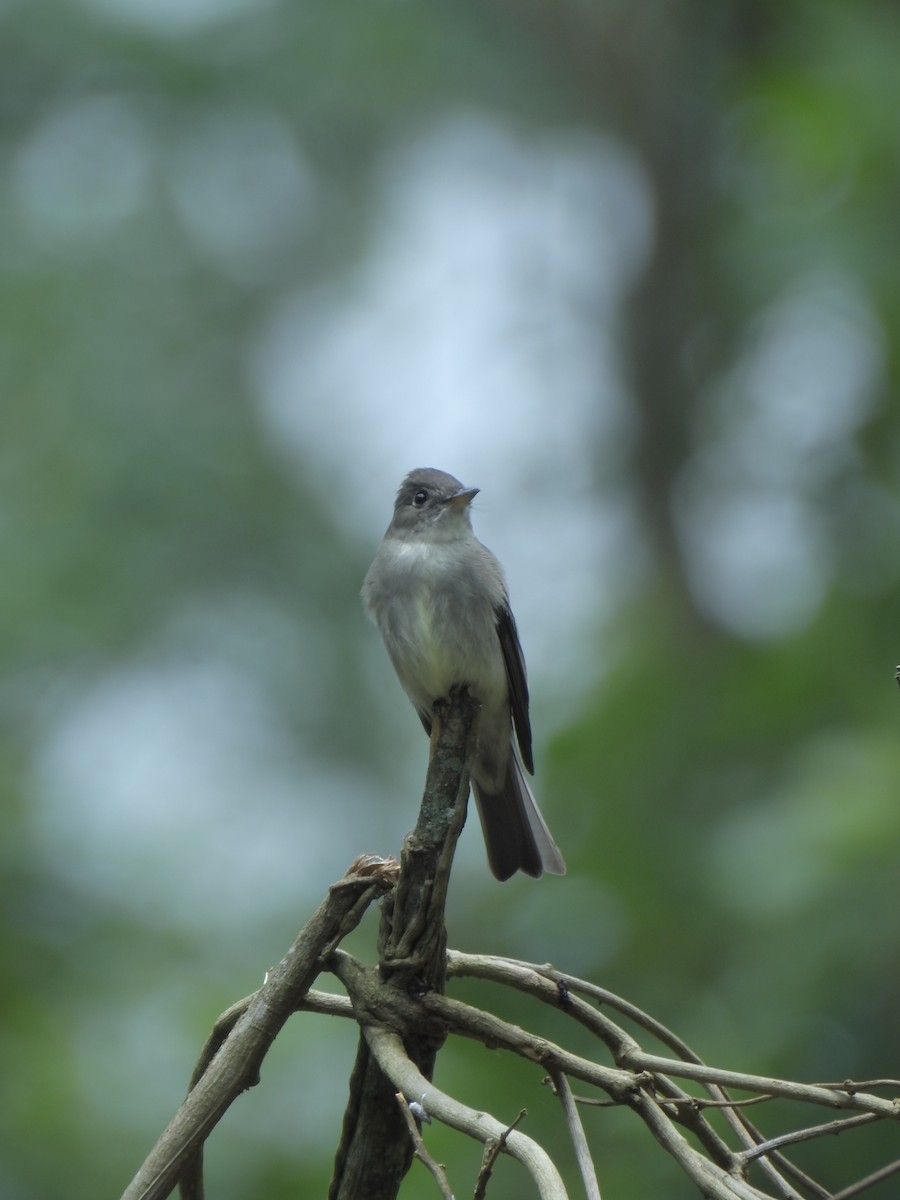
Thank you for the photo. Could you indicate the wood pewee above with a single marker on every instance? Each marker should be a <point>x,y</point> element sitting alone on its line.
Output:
<point>438,597</point>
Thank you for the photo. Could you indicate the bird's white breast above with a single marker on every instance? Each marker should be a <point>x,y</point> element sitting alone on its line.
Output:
<point>438,631</point>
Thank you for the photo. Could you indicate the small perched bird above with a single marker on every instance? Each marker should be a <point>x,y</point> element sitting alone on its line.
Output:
<point>439,600</point>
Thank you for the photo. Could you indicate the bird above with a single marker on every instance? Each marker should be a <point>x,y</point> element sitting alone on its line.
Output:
<point>439,599</point>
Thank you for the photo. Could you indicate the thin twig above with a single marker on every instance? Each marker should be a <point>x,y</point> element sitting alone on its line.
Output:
<point>712,1181</point>
<point>862,1185</point>
<point>564,992</point>
<point>700,1102</point>
<point>809,1093</point>
<point>859,1085</point>
<point>493,1148</point>
<point>236,1063</point>
<point>576,1132</point>
<point>590,1101</point>
<point>440,1175</point>
<point>549,985</point>
<point>640,1080</point>
<point>829,1128</point>
<point>388,1049</point>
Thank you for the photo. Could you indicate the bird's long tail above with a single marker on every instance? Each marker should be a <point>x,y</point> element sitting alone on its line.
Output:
<point>515,833</point>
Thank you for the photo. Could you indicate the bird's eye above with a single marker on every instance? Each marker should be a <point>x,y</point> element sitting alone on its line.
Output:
<point>419,498</point>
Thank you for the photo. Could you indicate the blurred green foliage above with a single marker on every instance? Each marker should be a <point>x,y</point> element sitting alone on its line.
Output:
<point>725,788</point>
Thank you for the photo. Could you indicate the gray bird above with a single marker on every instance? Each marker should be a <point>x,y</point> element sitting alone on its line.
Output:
<point>438,597</point>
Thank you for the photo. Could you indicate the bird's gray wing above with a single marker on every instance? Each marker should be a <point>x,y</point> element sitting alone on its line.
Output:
<point>514,662</point>
<point>425,718</point>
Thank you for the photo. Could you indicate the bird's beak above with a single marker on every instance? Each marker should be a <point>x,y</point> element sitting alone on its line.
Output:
<point>463,498</point>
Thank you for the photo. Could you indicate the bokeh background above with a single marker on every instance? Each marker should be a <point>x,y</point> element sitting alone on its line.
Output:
<point>631,268</point>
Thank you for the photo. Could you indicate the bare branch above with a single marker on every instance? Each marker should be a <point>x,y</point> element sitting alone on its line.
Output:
<point>553,988</point>
<point>235,1061</point>
<point>390,1016</point>
<point>438,1172</point>
<point>562,990</point>
<point>712,1180</point>
<point>576,1132</point>
<point>809,1093</point>
<point>863,1185</point>
<point>859,1085</point>
<point>493,1148</point>
<point>326,1003</point>
<point>828,1128</point>
<point>404,1018</point>
<point>701,1102</point>
<point>375,1150</point>
<point>396,1065</point>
